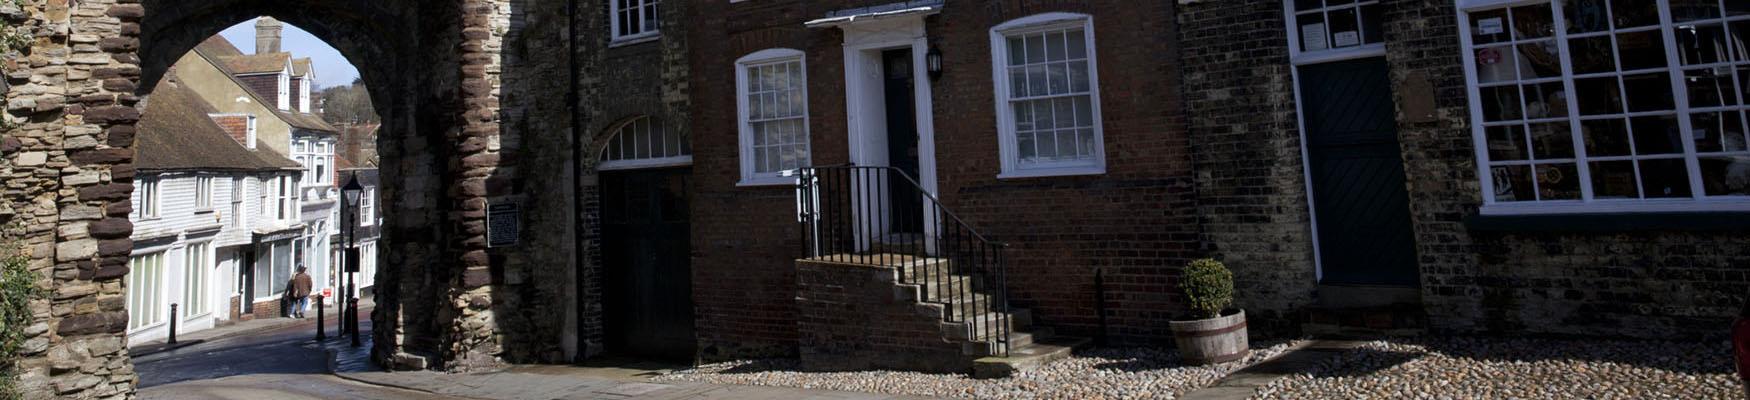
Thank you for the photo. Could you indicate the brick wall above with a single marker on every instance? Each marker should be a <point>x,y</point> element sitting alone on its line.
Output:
<point>855,318</point>
<point>266,86</point>
<point>1136,222</point>
<point>235,125</point>
<point>1245,133</point>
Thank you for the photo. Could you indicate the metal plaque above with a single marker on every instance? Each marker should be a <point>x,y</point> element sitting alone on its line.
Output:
<point>503,224</point>
<point>352,260</point>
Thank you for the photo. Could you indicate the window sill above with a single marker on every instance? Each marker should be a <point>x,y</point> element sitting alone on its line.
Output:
<point>1050,172</point>
<point>635,39</point>
<point>208,210</point>
<point>1701,221</point>
<point>767,181</point>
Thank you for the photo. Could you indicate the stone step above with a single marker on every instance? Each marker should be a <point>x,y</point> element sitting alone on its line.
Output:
<point>1018,339</point>
<point>1364,322</point>
<point>977,328</point>
<point>1027,357</point>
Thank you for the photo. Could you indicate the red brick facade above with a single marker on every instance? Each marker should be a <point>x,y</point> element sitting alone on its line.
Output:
<point>236,125</point>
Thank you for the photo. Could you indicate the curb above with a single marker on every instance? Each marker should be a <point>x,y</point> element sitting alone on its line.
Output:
<point>333,361</point>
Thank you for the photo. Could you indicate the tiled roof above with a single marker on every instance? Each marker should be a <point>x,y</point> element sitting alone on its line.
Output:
<point>301,67</point>
<point>176,133</point>
<point>257,63</point>
<point>214,48</point>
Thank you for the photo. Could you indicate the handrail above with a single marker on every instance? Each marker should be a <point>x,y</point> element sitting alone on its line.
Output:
<point>880,215</point>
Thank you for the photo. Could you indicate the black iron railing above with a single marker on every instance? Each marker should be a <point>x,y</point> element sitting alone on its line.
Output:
<point>881,216</point>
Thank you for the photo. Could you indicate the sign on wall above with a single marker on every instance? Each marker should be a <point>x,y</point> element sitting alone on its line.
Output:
<point>503,224</point>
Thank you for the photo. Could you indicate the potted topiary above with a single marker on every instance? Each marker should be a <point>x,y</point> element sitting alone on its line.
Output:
<point>1214,333</point>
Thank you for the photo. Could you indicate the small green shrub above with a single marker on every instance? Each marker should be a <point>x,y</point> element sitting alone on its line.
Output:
<point>1209,286</point>
<point>17,288</point>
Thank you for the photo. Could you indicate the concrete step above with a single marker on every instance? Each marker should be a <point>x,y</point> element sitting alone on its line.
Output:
<point>1018,339</point>
<point>1364,322</point>
<point>982,327</point>
<point>1027,357</point>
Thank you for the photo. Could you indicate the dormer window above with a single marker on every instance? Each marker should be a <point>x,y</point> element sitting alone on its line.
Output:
<point>285,91</point>
<point>304,95</point>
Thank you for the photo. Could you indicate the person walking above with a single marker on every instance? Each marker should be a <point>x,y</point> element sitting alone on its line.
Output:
<point>300,292</point>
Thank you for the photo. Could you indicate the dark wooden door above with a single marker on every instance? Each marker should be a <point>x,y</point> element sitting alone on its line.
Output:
<point>1362,205</point>
<point>647,285</point>
<point>902,141</point>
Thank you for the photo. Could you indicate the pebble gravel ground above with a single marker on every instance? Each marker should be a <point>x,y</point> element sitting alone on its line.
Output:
<point>1100,373</point>
<point>1476,368</point>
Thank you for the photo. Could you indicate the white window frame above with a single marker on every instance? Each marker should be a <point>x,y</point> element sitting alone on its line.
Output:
<point>238,213</point>
<point>756,59</point>
<point>304,95</point>
<point>146,286</point>
<point>196,286</point>
<point>251,134</point>
<point>1299,57</point>
<point>646,33</point>
<point>1587,204</point>
<point>287,197</point>
<point>285,89</point>
<point>1006,130</point>
<point>203,193</point>
<point>151,198</point>
<point>367,207</point>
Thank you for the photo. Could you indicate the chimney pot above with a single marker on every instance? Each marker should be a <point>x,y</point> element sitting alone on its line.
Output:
<point>267,35</point>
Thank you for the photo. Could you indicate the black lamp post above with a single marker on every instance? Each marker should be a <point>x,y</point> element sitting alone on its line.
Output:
<point>350,215</point>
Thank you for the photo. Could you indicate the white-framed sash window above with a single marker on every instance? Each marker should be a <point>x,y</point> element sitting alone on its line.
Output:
<point>203,193</point>
<point>772,99</point>
<point>146,306</point>
<point>150,198</point>
<point>368,207</point>
<point>198,257</point>
<point>1048,96</point>
<point>1591,106</point>
<point>633,19</point>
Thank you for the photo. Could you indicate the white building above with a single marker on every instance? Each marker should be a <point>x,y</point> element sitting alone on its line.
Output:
<point>202,197</point>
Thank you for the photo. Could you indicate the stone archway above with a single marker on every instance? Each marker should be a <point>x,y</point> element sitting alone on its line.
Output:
<point>458,84</point>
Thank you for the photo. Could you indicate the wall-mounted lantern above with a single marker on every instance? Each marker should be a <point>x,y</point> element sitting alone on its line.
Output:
<point>933,62</point>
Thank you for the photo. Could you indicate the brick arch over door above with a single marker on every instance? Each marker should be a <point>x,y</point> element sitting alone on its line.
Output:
<point>434,69</point>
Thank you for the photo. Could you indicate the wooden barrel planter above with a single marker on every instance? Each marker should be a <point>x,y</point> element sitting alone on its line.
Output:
<point>1212,341</point>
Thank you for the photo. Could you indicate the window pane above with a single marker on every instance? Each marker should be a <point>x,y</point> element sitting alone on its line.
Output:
<point>1664,178</point>
<point>1539,60</point>
<point>1707,89</point>
<point>1614,180</point>
<point>1656,135</point>
<point>1489,26</point>
<point>1024,143</point>
<point>1042,114</point>
<point>1641,50</point>
<point>1635,13</point>
<point>1078,77</point>
<point>1344,29</point>
<point>1035,49</point>
<point>1702,44</point>
<point>1018,82</point>
<point>1037,81</point>
<point>1726,176</point>
<point>1736,8</point>
<point>1533,21</point>
<point>1591,55</point>
<point>1084,111</point>
<point>1047,146</point>
<point>1054,50</point>
<point>1586,16</point>
<point>1606,138</point>
<point>1558,182</point>
<point>1598,96</point>
<point>1064,109</point>
<point>1739,38</point>
<point>1017,51</point>
<point>1314,35</point>
<point>1058,75</point>
<point>1716,132</point>
<point>1066,145</point>
<point>1507,143</point>
<point>1545,100</point>
<point>1303,5</point>
<point>1690,10</point>
<point>1649,92</point>
<point>1496,64</point>
<point>1513,183</point>
<point>1088,145</point>
<point>1371,30</point>
<point>1077,43</point>
<point>1023,116</point>
<point>1552,141</point>
<point>1500,103</point>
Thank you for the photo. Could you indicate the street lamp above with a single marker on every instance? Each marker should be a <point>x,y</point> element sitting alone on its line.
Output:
<point>350,215</point>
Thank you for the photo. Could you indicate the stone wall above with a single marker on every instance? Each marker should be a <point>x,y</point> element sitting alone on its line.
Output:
<point>857,318</point>
<point>1245,132</point>
<point>68,180</point>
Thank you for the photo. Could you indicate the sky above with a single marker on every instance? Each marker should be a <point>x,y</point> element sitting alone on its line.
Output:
<point>332,69</point>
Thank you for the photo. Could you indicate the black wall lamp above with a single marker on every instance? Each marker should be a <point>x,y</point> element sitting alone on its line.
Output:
<point>933,62</point>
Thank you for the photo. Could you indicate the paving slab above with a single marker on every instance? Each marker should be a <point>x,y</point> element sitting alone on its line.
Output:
<point>1244,383</point>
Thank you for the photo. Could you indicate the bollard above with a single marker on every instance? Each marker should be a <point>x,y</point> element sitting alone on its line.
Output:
<point>172,339</point>
<point>321,328</point>
<point>353,310</point>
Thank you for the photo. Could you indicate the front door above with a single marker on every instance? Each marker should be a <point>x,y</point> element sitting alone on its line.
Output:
<point>647,263</point>
<point>1359,197</point>
<point>902,140</point>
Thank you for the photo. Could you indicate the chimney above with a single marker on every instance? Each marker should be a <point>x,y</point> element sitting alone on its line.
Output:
<point>267,35</point>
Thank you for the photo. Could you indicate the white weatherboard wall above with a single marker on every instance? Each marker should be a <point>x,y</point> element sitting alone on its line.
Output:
<point>181,223</point>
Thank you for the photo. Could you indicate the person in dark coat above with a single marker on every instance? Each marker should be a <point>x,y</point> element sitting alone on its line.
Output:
<point>300,292</point>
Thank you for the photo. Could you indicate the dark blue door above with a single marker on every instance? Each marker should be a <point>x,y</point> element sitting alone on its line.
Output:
<point>647,288</point>
<point>1359,196</point>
